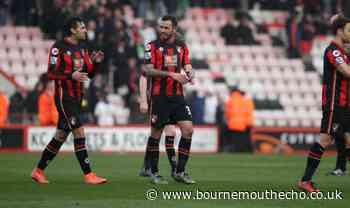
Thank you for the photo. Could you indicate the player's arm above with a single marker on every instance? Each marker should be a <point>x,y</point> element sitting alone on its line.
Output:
<point>150,60</point>
<point>337,59</point>
<point>187,64</point>
<point>151,71</point>
<point>95,60</point>
<point>143,94</point>
<point>344,69</point>
<point>55,70</point>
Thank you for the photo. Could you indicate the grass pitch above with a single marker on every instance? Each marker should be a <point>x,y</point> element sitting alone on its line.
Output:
<point>222,172</point>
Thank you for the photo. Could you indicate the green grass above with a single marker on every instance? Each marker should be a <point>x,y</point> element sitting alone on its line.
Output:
<point>222,172</point>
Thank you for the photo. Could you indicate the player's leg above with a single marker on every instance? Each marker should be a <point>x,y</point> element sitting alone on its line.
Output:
<point>347,147</point>
<point>48,155</point>
<point>145,170</point>
<point>152,153</point>
<point>313,160</point>
<point>184,149</point>
<point>181,114</point>
<point>83,159</point>
<point>170,133</point>
<point>340,169</point>
<point>158,119</point>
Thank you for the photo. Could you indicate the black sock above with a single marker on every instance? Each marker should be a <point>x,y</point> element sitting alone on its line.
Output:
<point>341,156</point>
<point>146,160</point>
<point>184,152</point>
<point>152,154</point>
<point>82,155</point>
<point>315,155</point>
<point>170,150</point>
<point>49,153</point>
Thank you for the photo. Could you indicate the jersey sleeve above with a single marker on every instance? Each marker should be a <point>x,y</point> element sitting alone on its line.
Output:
<point>150,54</point>
<point>335,57</point>
<point>55,70</point>
<point>186,59</point>
<point>92,68</point>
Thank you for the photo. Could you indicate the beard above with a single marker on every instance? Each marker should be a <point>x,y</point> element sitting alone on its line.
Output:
<point>165,36</point>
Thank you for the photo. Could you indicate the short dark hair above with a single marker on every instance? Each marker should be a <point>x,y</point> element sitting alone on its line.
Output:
<point>339,22</point>
<point>70,23</point>
<point>170,18</point>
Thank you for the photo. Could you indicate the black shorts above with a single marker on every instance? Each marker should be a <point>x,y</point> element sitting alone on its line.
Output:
<point>169,110</point>
<point>336,122</point>
<point>69,111</point>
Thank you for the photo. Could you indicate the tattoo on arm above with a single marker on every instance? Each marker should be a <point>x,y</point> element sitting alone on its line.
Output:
<point>151,72</point>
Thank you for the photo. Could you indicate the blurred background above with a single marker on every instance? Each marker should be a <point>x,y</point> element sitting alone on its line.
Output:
<point>258,64</point>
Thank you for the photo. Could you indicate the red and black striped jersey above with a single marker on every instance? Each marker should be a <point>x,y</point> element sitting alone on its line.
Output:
<point>64,59</point>
<point>335,86</point>
<point>166,57</point>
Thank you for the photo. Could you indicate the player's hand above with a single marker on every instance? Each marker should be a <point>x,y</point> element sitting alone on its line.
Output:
<point>189,75</point>
<point>189,72</point>
<point>143,106</point>
<point>182,78</point>
<point>80,76</point>
<point>97,56</point>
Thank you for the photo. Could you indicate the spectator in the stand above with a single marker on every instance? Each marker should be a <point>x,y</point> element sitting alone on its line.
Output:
<point>146,10</point>
<point>245,29</point>
<point>137,41</point>
<point>346,7</point>
<point>93,93</point>
<point>120,63</point>
<point>17,107</point>
<point>277,4</point>
<point>4,106</point>
<point>149,33</point>
<point>104,33</point>
<point>121,55</point>
<point>312,7</point>
<point>87,9</point>
<point>104,111</point>
<point>210,106</point>
<point>236,113</point>
<point>307,33</point>
<point>293,33</point>
<point>122,113</point>
<point>114,4</point>
<point>53,13</point>
<point>171,7</point>
<point>4,6</point>
<point>33,96</point>
<point>120,25</point>
<point>25,12</point>
<point>133,78</point>
<point>91,35</point>
<point>47,112</point>
<point>229,30</point>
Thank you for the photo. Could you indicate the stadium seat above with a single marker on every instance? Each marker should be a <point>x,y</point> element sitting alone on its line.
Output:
<point>31,69</point>
<point>31,81</point>
<point>14,55</point>
<point>3,55</point>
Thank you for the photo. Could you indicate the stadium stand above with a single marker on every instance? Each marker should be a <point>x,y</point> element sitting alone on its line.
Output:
<point>263,71</point>
<point>285,92</point>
